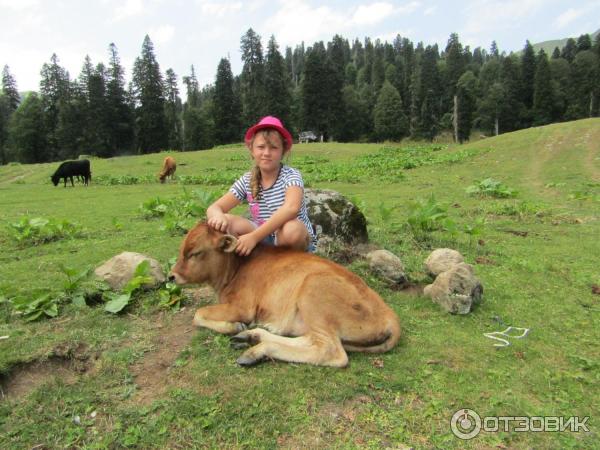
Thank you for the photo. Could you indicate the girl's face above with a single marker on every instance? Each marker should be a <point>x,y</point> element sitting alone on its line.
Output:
<point>267,150</point>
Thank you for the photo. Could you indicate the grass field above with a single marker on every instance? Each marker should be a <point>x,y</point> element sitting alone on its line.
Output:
<point>146,379</point>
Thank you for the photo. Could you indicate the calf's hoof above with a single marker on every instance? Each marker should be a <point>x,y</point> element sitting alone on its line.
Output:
<point>240,326</point>
<point>247,337</point>
<point>238,345</point>
<point>248,359</point>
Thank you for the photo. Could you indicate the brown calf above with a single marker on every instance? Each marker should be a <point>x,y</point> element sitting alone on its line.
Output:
<point>311,310</point>
<point>168,169</point>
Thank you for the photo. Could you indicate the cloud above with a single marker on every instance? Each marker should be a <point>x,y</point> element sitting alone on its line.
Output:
<point>162,34</point>
<point>390,37</point>
<point>219,9</point>
<point>430,11</point>
<point>485,16</point>
<point>128,9</point>
<point>372,14</point>
<point>572,14</point>
<point>20,5</point>
<point>298,21</point>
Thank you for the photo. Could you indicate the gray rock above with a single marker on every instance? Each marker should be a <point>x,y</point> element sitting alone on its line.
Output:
<point>456,290</point>
<point>336,217</point>
<point>118,270</point>
<point>388,266</point>
<point>441,260</point>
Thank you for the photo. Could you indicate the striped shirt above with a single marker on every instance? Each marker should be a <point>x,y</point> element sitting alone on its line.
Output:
<point>271,199</point>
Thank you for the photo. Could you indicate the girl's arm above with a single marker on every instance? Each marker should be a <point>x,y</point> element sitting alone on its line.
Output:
<point>288,211</point>
<point>215,213</point>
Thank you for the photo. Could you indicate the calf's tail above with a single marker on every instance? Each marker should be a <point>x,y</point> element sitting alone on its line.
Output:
<point>390,339</point>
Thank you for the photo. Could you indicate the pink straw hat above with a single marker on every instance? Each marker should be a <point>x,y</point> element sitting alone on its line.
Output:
<point>269,122</point>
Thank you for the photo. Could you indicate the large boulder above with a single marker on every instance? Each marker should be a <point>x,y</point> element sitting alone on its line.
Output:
<point>118,270</point>
<point>335,217</point>
<point>456,290</point>
<point>442,259</point>
<point>388,266</point>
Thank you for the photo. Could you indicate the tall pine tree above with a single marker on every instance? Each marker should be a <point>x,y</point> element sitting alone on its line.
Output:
<point>120,127</point>
<point>173,110</point>
<point>226,106</point>
<point>147,82</point>
<point>543,94</point>
<point>277,99</point>
<point>54,91</point>
<point>26,131</point>
<point>528,69</point>
<point>9,102</point>
<point>252,79</point>
<point>389,118</point>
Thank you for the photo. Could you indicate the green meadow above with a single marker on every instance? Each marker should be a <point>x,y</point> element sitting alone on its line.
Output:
<point>523,208</point>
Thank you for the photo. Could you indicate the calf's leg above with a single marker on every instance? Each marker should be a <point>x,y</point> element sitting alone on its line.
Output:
<point>313,348</point>
<point>222,318</point>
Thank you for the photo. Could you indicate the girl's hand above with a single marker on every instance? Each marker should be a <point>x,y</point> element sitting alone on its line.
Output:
<point>218,222</point>
<point>245,244</point>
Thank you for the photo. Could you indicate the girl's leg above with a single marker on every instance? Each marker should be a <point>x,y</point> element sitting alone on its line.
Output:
<point>293,234</point>
<point>239,225</point>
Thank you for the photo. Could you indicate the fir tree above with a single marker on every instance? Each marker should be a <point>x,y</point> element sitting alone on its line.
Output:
<point>193,89</point>
<point>584,81</point>
<point>252,79</point>
<point>543,95</point>
<point>466,94</point>
<point>528,70</point>
<point>584,42</point>
<point>321,94</point>
<point>9,90</point>
<point>353,128</point>
<point>569,50</point>
<point>173,110</point>
<point>390,122</point>
<point>9,102</point>
<point>72,124</point>
<point>455,67</point>
<point>120,127</point>
<point>277,100</point>
<point>26,131</point>
<point>227,109</point>
<point>54,92</point>
<point>511,80</point>
<point>149,98</point>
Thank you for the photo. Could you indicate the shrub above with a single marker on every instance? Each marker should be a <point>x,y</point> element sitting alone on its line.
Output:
<point>428,215</point>
<point>490,188</point>
<point>40,230</point>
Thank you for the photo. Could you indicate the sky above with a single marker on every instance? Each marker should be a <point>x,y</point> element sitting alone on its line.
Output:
<point>201,32</point>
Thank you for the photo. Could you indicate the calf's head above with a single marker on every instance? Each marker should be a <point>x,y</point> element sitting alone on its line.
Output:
<point>204,255</point>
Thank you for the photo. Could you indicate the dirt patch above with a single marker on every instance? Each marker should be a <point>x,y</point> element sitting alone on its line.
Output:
<point>152,372</point>
<point>412,289</point>
<point>67,362</point>
<point>595,289</point>
<point>517,232</point>
<point>485,261</point>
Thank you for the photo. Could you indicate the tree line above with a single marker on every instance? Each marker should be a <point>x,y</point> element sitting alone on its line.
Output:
<point>345,91</point>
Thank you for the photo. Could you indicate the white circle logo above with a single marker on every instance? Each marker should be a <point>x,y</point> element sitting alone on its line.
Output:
<point>465,424</point>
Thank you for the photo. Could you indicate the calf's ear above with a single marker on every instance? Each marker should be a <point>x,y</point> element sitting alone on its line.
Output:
<point>227,243</point>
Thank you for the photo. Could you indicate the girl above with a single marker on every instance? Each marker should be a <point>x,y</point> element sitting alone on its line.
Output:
<point>274,192</point>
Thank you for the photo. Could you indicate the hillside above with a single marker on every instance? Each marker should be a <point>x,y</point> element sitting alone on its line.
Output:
<point>146,378</point>
<point>549,46</point>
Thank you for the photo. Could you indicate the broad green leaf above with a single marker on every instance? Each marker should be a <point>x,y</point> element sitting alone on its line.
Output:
<point>117,302</point>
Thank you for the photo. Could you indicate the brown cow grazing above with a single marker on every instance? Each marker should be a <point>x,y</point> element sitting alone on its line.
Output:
<point>311,309</point>
<point>168,169</point>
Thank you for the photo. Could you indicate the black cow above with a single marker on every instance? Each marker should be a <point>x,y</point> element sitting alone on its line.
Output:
<point>70,169</point>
